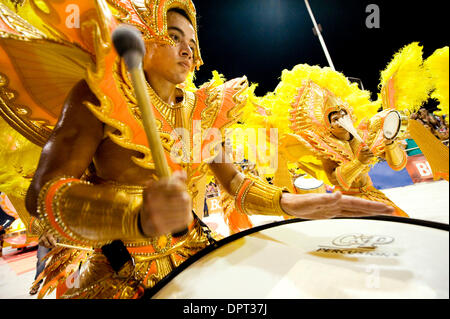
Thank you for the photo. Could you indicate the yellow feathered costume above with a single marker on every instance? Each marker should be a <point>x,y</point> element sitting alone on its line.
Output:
<point>274,110</point>
<point>438,68</point>
<point>437,154</point>
<point>406,84</point>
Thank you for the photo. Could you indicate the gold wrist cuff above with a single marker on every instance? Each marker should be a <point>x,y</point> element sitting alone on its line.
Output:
<point>347,173</point>
<point>257,197</point>
<point>90,215</point>
<point>395,156</point>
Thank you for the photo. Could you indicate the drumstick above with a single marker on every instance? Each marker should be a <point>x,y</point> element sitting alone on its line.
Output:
<point>129,45</point>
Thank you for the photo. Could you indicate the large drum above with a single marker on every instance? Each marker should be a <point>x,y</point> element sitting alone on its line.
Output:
<point>380,257</point>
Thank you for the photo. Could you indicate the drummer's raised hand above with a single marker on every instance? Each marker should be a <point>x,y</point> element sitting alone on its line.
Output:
<point>365,155</point>
<point>323,206</point>
<point>167,206</point>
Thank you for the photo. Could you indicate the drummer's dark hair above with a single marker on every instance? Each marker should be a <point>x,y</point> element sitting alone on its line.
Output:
<point>334,112</point>
<point>331,113</point>
<point>182,12</point>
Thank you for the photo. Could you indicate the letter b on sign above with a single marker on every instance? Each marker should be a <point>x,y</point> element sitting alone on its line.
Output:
<point>424,169</point>
<point>373,19</point>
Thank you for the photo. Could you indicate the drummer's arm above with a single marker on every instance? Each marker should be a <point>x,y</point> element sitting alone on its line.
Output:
<point>71,146</point>
<point>251,194</point>
<point>254,196</point>
<point>63,204</point>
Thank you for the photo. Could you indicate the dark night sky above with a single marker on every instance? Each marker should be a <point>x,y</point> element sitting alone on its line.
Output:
<point>260,38</point>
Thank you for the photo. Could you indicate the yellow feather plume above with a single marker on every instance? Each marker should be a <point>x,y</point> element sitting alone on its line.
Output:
<point>19,158</point>
<point>278,103</point>
<point>189,84</point>
<point>411,83</point>
<point>25,10</point>
<point>253,113</point>
<point>272,110</point>
<point>438,67</point>
<point>216,80</point>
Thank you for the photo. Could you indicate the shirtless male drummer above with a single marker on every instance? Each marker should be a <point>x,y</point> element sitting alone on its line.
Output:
<point>124,201</point>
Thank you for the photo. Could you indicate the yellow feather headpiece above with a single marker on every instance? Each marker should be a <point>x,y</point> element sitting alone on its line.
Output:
<point>150,17</point>
<point>438,68</point>
<point>19,158</point>
<point>405,85</point>
<point>341,92</point>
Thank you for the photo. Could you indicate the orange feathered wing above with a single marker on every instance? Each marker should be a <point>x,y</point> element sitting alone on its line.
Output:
<point>39,67</point>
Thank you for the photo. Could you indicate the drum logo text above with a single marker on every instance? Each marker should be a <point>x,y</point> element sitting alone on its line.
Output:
<point>361,240</point>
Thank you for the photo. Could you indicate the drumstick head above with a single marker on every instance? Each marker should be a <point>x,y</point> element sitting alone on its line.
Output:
<point>128,39</point>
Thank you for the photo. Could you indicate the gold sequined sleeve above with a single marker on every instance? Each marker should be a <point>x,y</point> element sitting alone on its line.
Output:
<point>395,156</point>
<point>347,173</point>
<point>89,215</point>
<point>254,196</point>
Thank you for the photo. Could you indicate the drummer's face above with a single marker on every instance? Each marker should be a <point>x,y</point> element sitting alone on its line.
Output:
<point>334,119</point>
<point>172,62</point>
<point>336,129</point>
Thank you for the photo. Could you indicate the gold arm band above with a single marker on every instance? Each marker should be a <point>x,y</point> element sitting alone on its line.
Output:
<point>254,196</point>
<point>347,173</point>
<point>89,215</point>
<point>395,156</point>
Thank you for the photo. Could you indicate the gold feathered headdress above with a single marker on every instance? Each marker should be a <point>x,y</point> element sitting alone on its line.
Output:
<point>333,88</point>
<point>150,17</point>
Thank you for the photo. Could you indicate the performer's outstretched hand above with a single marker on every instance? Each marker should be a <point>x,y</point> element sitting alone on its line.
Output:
<point>323,206</point>
<point>167,206</point>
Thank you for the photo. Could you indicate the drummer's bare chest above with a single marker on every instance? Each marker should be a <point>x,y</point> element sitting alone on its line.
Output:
<point>115,163</point>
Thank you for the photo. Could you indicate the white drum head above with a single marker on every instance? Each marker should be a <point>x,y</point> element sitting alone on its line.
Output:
<point>391,126</point>
<point>307,183</point>
<point>343,258</point>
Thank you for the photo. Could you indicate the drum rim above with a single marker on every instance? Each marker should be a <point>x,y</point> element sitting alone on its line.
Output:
<point>150,292</point>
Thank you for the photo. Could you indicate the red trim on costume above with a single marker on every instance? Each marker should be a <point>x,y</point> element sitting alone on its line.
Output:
<point>49,206</point>
<point>361,145</point>
<point>31,222</point>
<point>341,179</point>
<point>391,93</point>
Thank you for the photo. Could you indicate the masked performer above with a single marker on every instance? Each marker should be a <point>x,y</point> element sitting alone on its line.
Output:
<point>96,182</point>
<point>325,123</point>
<point>316,110</point>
